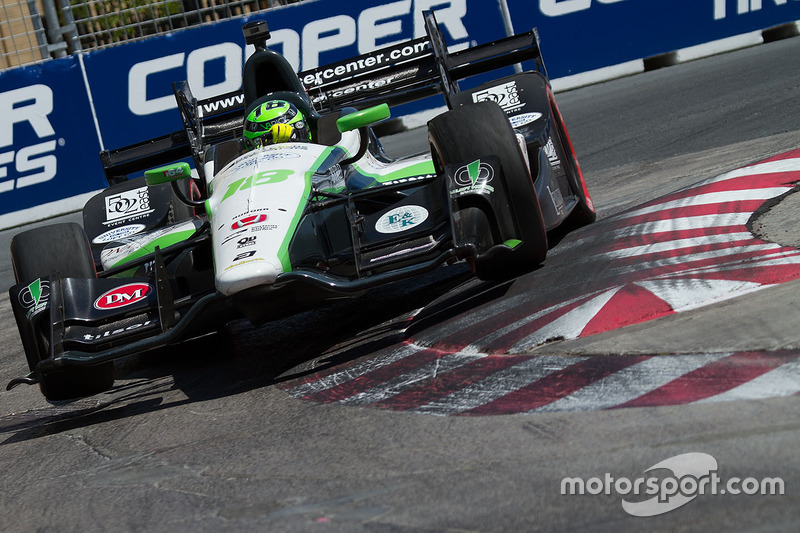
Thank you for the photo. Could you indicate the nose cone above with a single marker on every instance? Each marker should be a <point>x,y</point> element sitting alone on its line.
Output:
<point>238,277</point>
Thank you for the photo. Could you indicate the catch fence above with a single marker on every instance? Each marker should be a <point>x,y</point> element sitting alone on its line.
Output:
<point>36,30</point>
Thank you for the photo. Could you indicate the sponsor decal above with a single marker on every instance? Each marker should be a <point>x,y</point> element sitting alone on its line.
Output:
<point>233,235</point>
<point>276,155</point>
<point>426,246</point>
<point>246,241</point>
<point>118,233</point>
<point>280,147</point>
<point>408,179</point>
<point>550,152</point>
<point>401,219</point>
<point>127,205</point>
<point>506,96</point>
<point>265,227</point>
<point>557,198</point>
<point>35,296</point>
<point>241,263</point>
<point>249,221</point>
<point>366,63</point>
<point>244,255</point>
<point>473,177</point>
<point>122,296</point>
<point>221,104</point>
<point>118,331</point>
<point>132,243</point>
<point>36,163</point>
<point>517,121</point>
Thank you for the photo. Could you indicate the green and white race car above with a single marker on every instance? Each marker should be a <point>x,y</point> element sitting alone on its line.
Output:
<point>222,228</point>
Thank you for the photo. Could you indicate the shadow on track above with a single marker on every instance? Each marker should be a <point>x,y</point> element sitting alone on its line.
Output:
<point>241,358</point>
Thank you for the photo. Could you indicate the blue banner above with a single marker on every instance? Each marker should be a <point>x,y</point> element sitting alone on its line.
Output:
<point>48,142</point>
<point>133,82</point>
<point>57,115</point>
<point>583,35</point>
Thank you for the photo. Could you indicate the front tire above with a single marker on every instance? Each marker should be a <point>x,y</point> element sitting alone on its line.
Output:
<point>481,130</point>
<point>40,252</point>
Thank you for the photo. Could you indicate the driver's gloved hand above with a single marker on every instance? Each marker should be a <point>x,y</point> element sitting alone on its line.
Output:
<point>281,133</point>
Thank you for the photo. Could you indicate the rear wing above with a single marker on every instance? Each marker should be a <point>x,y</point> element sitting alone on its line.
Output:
<point>395,75</point>
<point>414,69</point>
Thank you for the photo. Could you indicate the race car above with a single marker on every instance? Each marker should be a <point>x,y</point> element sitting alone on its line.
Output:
<point>221,229</point>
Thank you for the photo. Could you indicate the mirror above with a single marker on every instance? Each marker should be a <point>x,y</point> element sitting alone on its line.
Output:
<point>365,117</point>
<point>173,172</point>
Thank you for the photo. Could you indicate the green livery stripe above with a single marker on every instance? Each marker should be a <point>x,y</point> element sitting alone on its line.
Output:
<point>417,169</point>
<point>513,243</point>
<point>331,156</point>
<point>283,251</point>
<point>161,242</point>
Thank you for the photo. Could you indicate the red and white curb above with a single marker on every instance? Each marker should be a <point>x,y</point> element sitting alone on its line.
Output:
<point>680,252</point>
<point>412,378</point>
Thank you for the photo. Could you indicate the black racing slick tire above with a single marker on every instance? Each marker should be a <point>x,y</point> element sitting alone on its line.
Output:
<point>65,249</point>
<point>583,213</point>
<point>481,130</point>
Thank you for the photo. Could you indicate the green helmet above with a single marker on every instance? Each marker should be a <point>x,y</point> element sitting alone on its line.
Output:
<point>266,115</point>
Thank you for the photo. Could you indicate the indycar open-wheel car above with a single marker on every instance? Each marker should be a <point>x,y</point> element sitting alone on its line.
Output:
<point>218,229</point>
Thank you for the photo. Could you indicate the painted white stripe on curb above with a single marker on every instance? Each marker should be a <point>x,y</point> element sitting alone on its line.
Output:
<point>682,223</point>
<point>498,385</point>
<point>354,372</point>
<point>631,382</point>
<point>400,383</point>
<point>781,381</point>
<point>710,199</point>
<point>678,244</point>
<point>568,326</point>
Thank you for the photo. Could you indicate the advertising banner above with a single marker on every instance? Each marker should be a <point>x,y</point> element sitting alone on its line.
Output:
<point>48,142</point>
<point>583,35</point>
<point>56,116</point>
<point>135,80</point>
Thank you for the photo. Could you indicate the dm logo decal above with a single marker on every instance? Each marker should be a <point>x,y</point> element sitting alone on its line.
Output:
<point>122,296</point>
<point>249,221</point>
<point>401,219</point>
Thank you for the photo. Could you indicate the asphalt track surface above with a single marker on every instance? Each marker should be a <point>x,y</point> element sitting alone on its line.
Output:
<point>444,404</point>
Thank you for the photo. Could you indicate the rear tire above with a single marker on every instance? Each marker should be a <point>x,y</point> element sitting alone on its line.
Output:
<point>583,213</point>
<point>476,131</point>
<point>65,249</point>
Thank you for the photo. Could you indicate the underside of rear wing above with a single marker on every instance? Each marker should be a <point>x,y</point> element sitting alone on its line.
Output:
<point>396,74</point>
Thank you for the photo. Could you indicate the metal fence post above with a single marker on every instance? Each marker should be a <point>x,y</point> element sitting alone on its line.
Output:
<point>508,26</point>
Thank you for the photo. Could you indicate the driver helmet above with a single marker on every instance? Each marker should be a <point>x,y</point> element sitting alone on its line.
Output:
<point>275,121</point>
